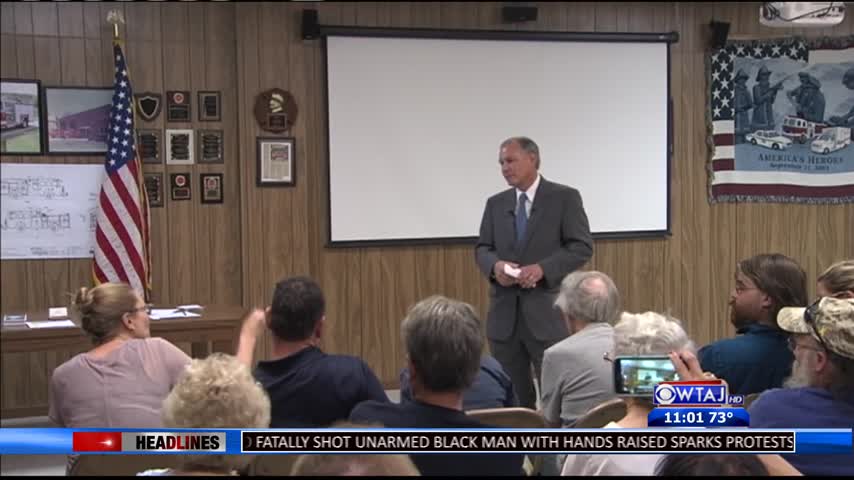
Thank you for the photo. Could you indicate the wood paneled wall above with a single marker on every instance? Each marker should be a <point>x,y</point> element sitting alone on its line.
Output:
<point>169,46</point>
<point>236,251</point>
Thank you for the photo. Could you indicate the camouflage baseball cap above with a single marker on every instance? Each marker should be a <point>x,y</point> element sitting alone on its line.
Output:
<point>830,321</point>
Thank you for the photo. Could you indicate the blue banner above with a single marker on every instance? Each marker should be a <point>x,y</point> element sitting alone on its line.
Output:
<point>823,441</point>
<point>698,417</point>
<point>696,438</point>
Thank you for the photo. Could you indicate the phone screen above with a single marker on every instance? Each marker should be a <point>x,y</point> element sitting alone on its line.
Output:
<point>638,375</point>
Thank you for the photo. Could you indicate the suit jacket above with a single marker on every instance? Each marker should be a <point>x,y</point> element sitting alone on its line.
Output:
<point>557,238</point>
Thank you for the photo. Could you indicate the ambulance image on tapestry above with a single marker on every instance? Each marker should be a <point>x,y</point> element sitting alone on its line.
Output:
<point>793,116</point>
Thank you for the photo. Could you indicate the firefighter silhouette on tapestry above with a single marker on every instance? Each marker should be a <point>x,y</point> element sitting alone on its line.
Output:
<point>808,99</point>
<point>742,104</point>
<point>764,95</point>
<point>846,120</point>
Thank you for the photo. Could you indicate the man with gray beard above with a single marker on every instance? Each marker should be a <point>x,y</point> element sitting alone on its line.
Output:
<point>820,391</point>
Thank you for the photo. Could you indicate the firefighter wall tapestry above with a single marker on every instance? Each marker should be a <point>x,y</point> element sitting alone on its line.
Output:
<point>782,121</point>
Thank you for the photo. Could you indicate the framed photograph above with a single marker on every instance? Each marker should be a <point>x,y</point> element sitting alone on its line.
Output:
<point>211,186</point>
<point>78,120</point>
<point>276,161</point>
<point>209,106</point>
<point>179,147</point>
<point>21,126</point>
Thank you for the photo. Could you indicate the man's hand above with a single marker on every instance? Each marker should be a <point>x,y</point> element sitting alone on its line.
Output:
<point>253,326</point>
<point>254,323</point>
<point>530,275</point>
<point>503,279</point>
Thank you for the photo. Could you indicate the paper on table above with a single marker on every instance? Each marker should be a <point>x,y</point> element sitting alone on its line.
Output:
<point>161,313</point>
<point>513,272</point>
<point>51,324</point>
<point>59,312</point>
<point>189,307</point>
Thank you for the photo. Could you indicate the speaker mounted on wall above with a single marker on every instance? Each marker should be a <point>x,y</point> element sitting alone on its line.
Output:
<point>310,25</point>
<point>518,14</point>
<point>720,32</point>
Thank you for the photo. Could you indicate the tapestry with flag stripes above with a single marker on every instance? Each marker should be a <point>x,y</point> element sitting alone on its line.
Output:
<point>782,121</point>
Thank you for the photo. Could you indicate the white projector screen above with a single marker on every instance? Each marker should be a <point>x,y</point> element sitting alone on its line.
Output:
<point>415,126</point>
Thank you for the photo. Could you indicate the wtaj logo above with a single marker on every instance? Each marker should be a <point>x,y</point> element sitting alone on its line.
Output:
<point>694,394</point>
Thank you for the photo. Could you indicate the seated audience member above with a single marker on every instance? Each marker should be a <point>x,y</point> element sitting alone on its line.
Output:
<point>758,358</point>
<point>636,334</point>
<point>122,381</point>
<point>710,465</point>
<point>354,465</point>
<point>837,281</point>
<point>820,391</point>
<point>350,465</point>
<point>443,342</point>
<point>307,387</point>
<point>492,387</point>
<point>575,379</point>
<point>217,392</point>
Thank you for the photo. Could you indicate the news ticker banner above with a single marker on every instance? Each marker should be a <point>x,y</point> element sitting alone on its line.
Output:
<point>297,441</point>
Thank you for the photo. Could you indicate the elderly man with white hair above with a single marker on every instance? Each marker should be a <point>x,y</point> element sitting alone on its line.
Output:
<point>575,378</point>
<point>820,391</point>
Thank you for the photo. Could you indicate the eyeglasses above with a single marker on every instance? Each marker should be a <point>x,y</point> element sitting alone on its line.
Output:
<point>146,308</point>
<point>809,317</point>
<point>794,345</point>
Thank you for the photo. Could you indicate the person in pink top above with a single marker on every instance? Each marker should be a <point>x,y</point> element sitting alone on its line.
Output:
<point>122,381</point>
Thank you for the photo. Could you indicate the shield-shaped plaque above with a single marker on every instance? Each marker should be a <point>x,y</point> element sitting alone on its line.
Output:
<point>148,105</point>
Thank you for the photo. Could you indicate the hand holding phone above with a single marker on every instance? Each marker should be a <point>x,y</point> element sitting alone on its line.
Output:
<point>638,375</point>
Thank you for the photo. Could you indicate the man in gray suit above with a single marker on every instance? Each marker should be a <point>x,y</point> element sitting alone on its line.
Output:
<point>541,229</point>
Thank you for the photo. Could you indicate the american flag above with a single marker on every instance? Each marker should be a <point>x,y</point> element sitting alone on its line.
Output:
<point>722,84</point>
<point>121,235</point>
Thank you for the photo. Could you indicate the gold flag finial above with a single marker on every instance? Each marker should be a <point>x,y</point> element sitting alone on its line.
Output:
<point>115,17</point>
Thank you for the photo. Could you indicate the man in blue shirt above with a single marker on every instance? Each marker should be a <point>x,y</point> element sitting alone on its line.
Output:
<point>820,391</point>
<point>492,387</point>
<point>759,357</point>
<point>307,387</point>
<point>443,342</point>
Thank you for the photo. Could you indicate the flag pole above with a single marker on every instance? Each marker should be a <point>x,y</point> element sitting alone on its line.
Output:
<point>115,17</point>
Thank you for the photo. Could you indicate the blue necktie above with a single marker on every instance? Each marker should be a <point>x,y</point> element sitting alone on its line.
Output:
<point>521,219</point>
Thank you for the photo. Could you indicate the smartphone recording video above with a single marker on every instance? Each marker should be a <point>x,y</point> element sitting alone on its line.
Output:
<point>638,375</point>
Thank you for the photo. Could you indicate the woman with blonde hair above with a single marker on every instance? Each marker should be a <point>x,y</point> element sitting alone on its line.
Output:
<point>216,392</point>
<point>837,281</point>
<point>122,381</point>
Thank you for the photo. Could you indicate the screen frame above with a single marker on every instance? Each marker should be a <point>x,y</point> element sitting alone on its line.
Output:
<point>546,36</point>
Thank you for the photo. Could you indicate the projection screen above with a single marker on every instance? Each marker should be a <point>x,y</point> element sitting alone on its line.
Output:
<point>415,126</point>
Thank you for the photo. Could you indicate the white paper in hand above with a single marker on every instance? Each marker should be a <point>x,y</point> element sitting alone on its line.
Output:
<point>513,272</point>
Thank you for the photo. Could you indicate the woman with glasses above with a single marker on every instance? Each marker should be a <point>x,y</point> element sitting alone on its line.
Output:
<point>121,382</point>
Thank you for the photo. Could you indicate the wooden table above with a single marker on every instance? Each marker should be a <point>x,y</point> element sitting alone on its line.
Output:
<point>29,356</point>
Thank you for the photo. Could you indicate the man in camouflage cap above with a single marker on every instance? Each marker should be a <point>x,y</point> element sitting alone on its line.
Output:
<point>820,392</point>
